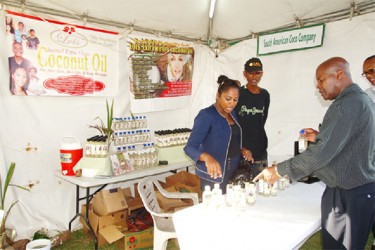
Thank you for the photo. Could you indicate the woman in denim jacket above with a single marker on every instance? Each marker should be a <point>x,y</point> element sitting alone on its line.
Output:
<point>215,142</point>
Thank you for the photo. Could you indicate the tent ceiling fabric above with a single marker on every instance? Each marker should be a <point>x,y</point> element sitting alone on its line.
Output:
<point>234,20</point>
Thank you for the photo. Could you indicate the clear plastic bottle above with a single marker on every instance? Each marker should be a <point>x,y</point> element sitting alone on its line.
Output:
<point>229,195</point>
<point>273,190</point>
<point>242,197</point>
<point>207,196</point>
<point>260,186</point>
<point>266,189</point>
<point>217,195</point>
<point>302,142</point>
<point>251,194</point>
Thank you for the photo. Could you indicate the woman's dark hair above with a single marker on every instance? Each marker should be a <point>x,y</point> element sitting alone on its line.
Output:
<point>226,83</point>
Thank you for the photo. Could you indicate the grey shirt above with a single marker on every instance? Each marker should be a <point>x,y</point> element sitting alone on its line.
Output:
<point>343,154</point>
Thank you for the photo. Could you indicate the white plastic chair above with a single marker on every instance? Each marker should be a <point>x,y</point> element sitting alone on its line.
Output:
<point>163,224</point>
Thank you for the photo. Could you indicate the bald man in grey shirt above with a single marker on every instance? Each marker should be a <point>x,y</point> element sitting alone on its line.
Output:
<point>342,155</point>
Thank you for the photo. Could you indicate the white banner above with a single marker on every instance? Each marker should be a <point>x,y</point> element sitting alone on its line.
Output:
<point>289,40</point>
<point>48,57</point>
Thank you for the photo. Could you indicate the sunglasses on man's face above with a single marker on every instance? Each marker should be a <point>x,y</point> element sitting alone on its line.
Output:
<point>369,72</point>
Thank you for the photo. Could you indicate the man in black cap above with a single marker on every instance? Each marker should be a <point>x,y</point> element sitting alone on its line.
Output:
<point>252,112</point>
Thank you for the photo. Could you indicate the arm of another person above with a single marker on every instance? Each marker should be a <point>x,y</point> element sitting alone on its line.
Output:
<point>201,128</point>
<point>336,132</point>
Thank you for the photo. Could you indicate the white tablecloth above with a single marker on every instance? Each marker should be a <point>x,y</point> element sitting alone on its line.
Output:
<point>278,222</point>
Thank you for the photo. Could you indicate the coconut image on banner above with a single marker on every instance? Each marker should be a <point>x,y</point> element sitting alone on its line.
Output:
<point>159,68</point>
<point>48,57</point>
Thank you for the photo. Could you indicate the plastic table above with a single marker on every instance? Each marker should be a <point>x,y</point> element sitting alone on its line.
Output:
<point>101,182</point>
<point>284,221</point>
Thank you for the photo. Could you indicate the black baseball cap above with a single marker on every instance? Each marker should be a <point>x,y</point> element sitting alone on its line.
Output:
<point>253,64</point>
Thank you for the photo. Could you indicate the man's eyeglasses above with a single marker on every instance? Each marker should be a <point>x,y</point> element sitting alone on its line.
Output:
<point>368,72</point>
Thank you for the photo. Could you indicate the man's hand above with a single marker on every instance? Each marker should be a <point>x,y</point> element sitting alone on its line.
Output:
<point>269,175</point>
<point>247,155</point>
<point>310,134</point>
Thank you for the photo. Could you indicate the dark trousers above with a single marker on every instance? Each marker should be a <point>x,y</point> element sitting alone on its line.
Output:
<point>347,217</point>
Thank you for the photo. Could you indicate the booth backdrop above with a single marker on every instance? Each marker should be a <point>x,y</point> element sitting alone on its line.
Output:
<point>32,127</point>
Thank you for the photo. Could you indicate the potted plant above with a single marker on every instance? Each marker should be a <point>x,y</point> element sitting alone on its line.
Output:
<point>6,212</point>
<point>106,129</point>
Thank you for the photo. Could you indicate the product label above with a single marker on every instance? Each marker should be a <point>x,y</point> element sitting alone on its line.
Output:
<point>66,157</point>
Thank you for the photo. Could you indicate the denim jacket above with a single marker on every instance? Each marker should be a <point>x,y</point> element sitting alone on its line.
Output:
<point>211,134</point>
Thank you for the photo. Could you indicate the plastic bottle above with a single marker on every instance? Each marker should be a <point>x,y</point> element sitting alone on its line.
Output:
<point>229,196</point>
<point>260,186</point>
<point>302,142</point>
<point>217,195</point>
<point>207,196</point>
<point>242,197</point>
<point>251,194</point>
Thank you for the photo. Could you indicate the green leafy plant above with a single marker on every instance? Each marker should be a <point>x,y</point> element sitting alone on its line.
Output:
<point>105,129</point>
<point>3,192</point>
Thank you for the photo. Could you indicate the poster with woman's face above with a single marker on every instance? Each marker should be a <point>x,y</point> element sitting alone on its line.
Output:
<point>160,69</point>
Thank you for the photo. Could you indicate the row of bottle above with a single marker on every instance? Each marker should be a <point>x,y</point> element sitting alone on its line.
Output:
<point>131,137</point>
<point>168,138</point>
<point>96,146</point>
<point>140,157</point>
<point>237,196</point>
<point>125,123</point>
<point>241,193</point>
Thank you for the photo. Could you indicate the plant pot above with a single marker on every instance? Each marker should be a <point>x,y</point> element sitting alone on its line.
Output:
<point>40,244</point>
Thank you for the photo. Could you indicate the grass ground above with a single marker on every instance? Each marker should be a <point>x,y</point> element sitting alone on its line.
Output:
<point>80,241</point>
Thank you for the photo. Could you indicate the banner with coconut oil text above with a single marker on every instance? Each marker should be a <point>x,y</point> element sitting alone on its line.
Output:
<point>53,58</point>
<point>290,40</point>
<point>161,73</point>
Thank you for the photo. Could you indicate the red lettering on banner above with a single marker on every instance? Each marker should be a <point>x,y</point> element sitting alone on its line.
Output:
<point>74,85</point>
<point>177,89</point>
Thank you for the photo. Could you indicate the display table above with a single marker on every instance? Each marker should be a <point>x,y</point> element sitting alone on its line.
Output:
<point>284,221</point>
<point>100,183</point>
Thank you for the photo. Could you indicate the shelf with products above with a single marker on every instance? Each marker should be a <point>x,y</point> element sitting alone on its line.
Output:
<point>172,137</point>
<point>132,145</point>
<point>170,144</point>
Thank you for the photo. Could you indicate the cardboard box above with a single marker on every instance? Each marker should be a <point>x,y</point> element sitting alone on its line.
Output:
<point>133,202</point>
<point>98,223</point>
<point>129,240</point>
<point>109,201</point>
<point>184,181</point>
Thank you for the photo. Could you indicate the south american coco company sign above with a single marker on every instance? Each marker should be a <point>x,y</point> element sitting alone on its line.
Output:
<point>290,40</point>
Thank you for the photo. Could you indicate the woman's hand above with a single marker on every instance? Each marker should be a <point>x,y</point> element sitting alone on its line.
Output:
<point>247,155</point>
<point>213,166</point>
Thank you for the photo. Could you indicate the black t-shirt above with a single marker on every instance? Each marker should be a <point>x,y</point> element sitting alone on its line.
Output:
<point>252,113</point>
<point>235,141</point>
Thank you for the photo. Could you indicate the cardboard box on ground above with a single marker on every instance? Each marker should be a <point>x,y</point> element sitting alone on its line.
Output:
<point>109,209</point>
<point>112,228</point>
<point>109,201</point>
<point>183,182</point>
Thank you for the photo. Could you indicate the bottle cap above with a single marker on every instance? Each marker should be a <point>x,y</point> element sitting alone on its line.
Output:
<point>302,131</point>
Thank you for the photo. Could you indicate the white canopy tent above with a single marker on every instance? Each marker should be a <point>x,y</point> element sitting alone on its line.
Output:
<point>32,127</point>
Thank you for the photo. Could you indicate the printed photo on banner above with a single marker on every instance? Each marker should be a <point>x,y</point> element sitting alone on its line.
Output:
<point>48,57</point>
<point>160,69</point>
